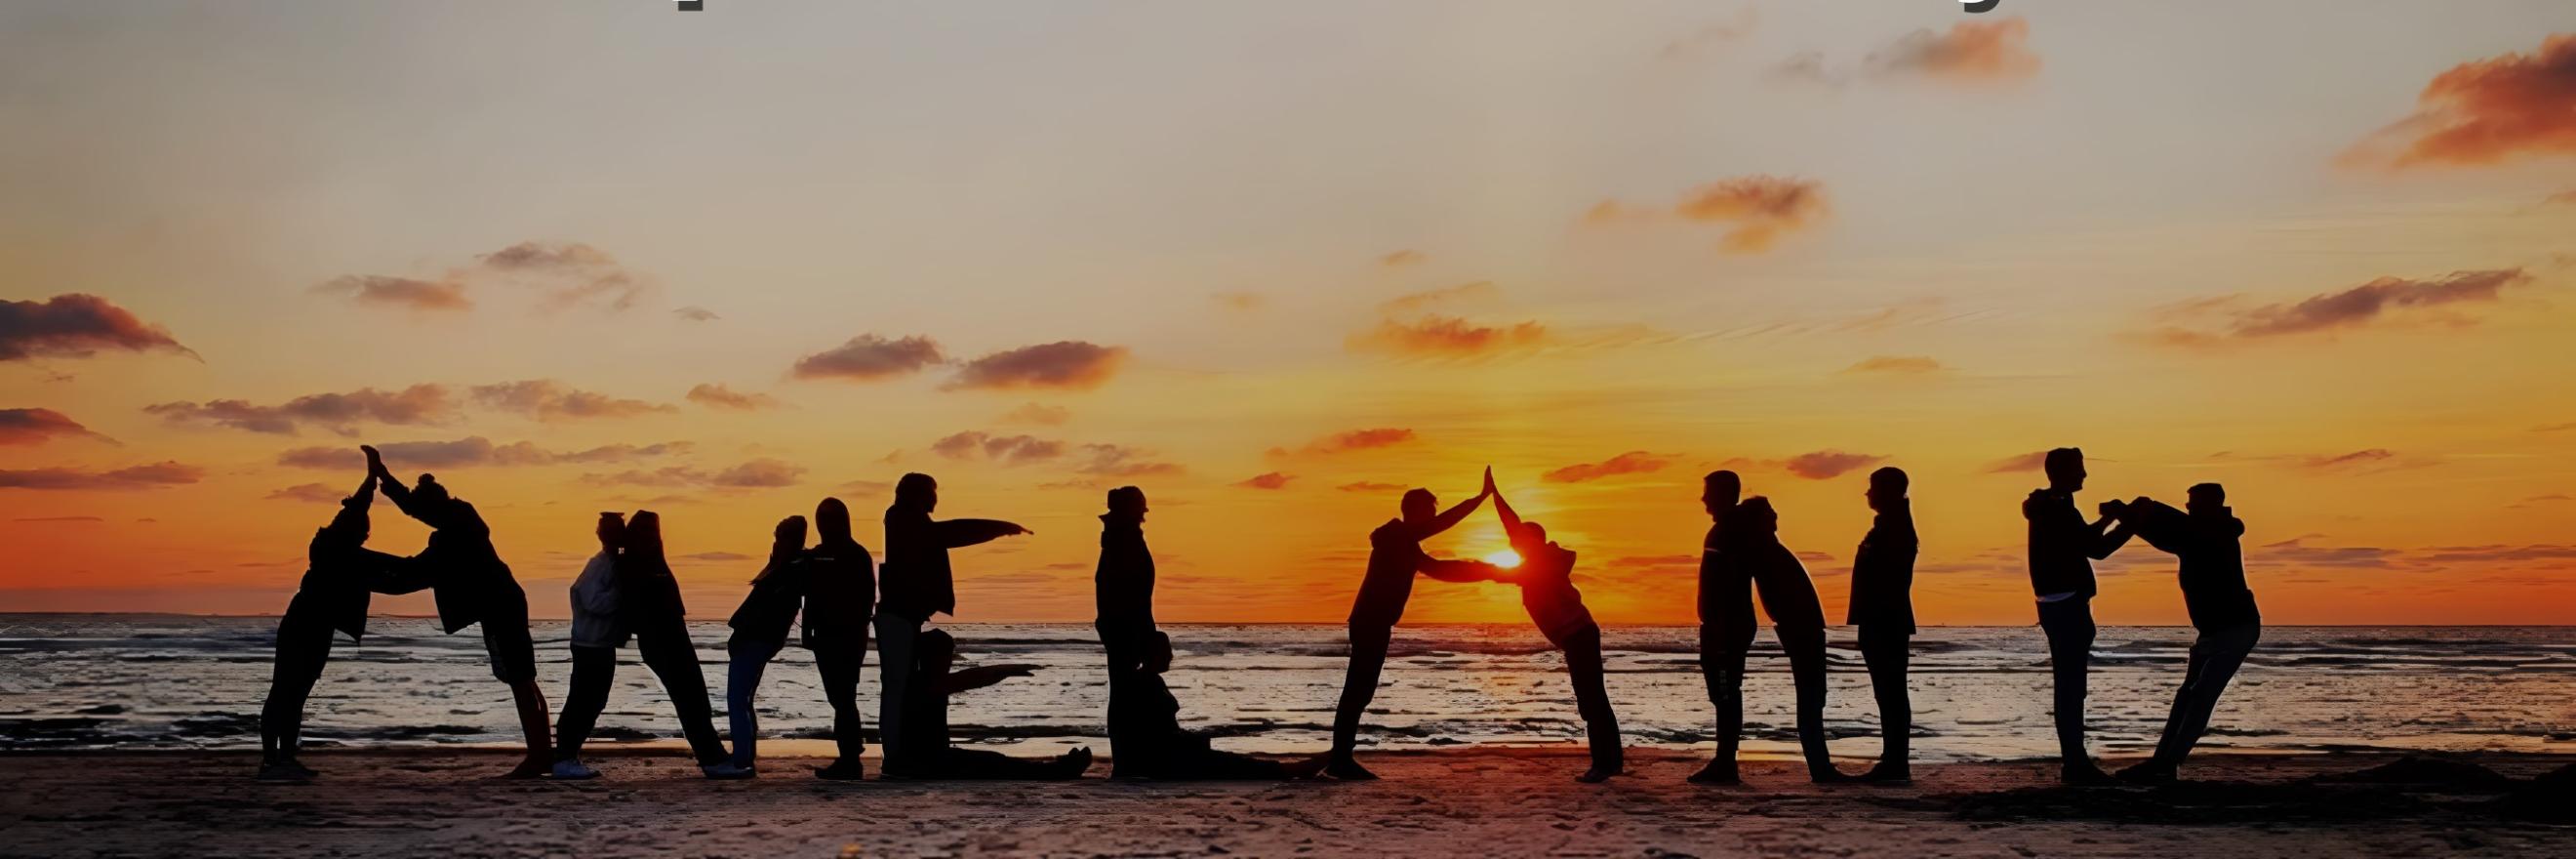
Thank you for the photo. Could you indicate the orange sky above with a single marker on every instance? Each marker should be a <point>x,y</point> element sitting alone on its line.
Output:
<point>1275,264</point>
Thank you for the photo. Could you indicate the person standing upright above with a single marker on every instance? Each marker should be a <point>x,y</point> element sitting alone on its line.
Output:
<point>2063,547</point>
<point>1726,625</point>
<point>1395,556</point>
<point>841,587</point>
<point>1882,608</point>
<point>594,642</point>
<point>918,585</point>
<point>1124,589</point>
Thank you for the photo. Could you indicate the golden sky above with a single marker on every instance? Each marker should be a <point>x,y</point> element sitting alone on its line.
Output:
<point>1277,262</point>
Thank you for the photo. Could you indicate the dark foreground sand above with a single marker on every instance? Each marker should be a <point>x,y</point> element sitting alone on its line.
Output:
<point>439,803</point>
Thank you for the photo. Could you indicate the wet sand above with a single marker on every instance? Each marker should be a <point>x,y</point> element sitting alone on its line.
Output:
<point>1520,802</point>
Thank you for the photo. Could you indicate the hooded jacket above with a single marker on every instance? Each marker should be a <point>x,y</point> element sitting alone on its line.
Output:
<point>1124,584</point>
<point>1882,584</point>
<point>918,580</point>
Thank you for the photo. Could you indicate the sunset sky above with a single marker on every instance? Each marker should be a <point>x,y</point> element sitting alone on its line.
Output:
<point>1276,262</point>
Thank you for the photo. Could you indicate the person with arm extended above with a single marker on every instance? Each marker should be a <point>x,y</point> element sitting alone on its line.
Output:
<point>1882,608</point>
<point>1546,579</point>
<point>1123,588</point>
<point>332,598</point>
<point>1726,626</point>
<point>918,584</point>
<point>594,643</point>
<point>1395,557</point>
<point>2208,541</point>
<point>934,679</point>
<point>472,587</point>
<point>2063,548</point>
<point>841,587</point>
<point>759,631</point>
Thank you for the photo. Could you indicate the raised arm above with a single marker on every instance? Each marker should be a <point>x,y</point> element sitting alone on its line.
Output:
<point>960,533</point>
<point>1450,518</point>
<point>966,679</point>
<point>1503,508</point>
<point>2107,536</point>
<point>1458,571</point>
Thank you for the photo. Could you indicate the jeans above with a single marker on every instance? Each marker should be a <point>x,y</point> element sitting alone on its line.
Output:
<point>838,663</point>
<point>896,637</point>
<point>593,669</point>
<point>2215,656</point>
<point>1886,654</point>
<point>749,659</point>
<point>1722,648</point>
<point>1359,684</point>
<point>1806,649</point>
<point>1124,643</point>
<point>1592,699</point>
<point>2069,625</point>
<point>303,646</point>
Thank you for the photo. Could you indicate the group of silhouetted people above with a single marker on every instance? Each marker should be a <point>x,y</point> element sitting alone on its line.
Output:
<point>627,592</point>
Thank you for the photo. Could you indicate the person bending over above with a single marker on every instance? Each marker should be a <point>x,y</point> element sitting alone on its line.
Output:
<point>1546,579</point>
<point>759,631</point>
<point>332,598</point>
<point>2208,540</point>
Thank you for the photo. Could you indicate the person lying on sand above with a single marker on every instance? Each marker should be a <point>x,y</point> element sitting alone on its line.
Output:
<point>1146,718</point>
<point>926,733</point>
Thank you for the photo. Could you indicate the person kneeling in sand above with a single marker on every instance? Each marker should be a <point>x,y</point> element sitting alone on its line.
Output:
<point>926,715</point>
<point>1146,718</point>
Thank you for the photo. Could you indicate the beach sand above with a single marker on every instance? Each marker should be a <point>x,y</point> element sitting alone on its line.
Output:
<point>1518,802</point>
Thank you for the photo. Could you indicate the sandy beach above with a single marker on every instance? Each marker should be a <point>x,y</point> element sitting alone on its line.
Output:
<point>441,803</point>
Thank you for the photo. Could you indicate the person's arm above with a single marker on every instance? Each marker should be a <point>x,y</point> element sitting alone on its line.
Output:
<point>1451,517</point>
<point>2107,536</point>
<point>960,533</point>
<point>978,677</point>
<point>1503,508</point>
<point>395,574</point>
<point>1459,571</point>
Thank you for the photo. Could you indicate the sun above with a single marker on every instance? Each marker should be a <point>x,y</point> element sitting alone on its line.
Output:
<point>1505,559</point>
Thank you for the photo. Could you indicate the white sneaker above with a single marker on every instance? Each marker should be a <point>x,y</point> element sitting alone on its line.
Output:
<point>573,771</point>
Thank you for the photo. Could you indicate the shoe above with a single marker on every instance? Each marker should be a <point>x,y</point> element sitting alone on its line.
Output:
<point>298,768</point>
<point>2086,774</point>
<point>1830,775</point>
<point>530,768</point>
<point>572,770</point>
<point>727,771</point>
<point>843,770</point>
<point>278,772</point>
<point>2150,772</point>
<point>1348,769</point>
<point>1305,768</point>
<point>1072,764</point>
<point>1888,773</point>
<point>1597,775</point>
<point>1718,771</point>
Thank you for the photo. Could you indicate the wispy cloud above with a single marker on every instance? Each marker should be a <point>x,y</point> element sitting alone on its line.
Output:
<point>1632,462</point>
<point>1815,465</point>
<point>310,493</point>
<point>1268,480</point>
<point>1009,450</point>
<point>337,412</point>
<point>473,451</point>
<point>399,292</point>
<point>2484,112</point>
<point>2223,320</point>
<point>1349,441</point>
<point>152,476</point>
<point>37,426</point>
<point>718,396</point>
<point>549,400</point>
<point>1038,414</point>
<point>1900,365</point>
<point>1974,52</point>
<point>76,325</point>
<point>1401,258</point>
<point>1064,364</point>
<point>868,358</point>
<point>1757,211</point>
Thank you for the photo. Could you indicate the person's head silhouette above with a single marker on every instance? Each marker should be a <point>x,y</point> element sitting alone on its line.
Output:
<point>2065,467</point>
<point>936,651</point>
<point>644,534</point>
<point>1719,491</point>
<point>430,491</point>
<point>831,521</point>
<point>1127,503</point>
<point>1886,487</point>
<point>612,530</point>
<point>1528,537</point>
<point>790,534</point>
<point>2207,498</point>
<point>916,492</point>
<point>1754,517</point>
<point>350,523</point>
<point>1419,507</point>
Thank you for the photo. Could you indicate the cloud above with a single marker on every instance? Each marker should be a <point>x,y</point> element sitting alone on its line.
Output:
<point>1971,52</point>
<point>2554,427</point>
<point>1805,67</point>
<point>2351,308</point>
<point>548,400</point>
<point>1401,258</point>
<point>694,313</point>
<point>1757,210</point>
<point>760,473</point>
<point>1038,414</point>
<point>1068,364</point>
<point>1009,450</point>
<point>311,493</point>
<point>2032,461</point>
<point>1446,336</point>
<point>755,474</point>
<point>152,476</point>
<point>400,292</point>
<point>571,274</point>
<point>1369,486</point>
<point>37,426</point>
<point>412,406</point>
<point>1906,365</point>
<point>1632,462</point>
<point>1352,440</point>
<point>1817,465</point>
<point>472,451</point>
<point>2498,553</point>
<point>1110,460</point>
<point>75,325</point>
<point>1428,299</point>
<point>59,519</point>
<point>868,357</point>
<point>1711,37</point>
<point>2342,460</point>
<point>1240,301</point>
<point>2484,112</point>
<point>1269,480</point>
<point>716,395</point>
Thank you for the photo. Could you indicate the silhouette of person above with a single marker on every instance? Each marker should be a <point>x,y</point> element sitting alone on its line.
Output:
<point>594,642</point>
<point>1124,590</point>
<point>1753,551</point>
<point>918,584</point>
<point>2063,548</point>
<point>2207,540</point>
<point>1395,555</point>
<point>759,632</point>
<point>332,597</point>
<point>649,608</point>
<point>473,586</point>
<point>929,754</point>
<point>1546,579</point>
<point>1726,625</point>
<point>841,587</point>
<point>1147,718</point>
<point>1882,608</point>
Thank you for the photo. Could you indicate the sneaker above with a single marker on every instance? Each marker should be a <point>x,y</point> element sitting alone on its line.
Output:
<point>1829,775</point>
<point>1888,773</point>
<point>572,770</point>
<point>1596,775</point>
<point>842,770</point>
<point>2086,774</point>
<point>278,772</point>
<point>729,771</point>
<point>2150,772</point>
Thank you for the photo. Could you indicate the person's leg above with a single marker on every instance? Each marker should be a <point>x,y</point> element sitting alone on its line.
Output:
<point>1806,650</point>
<point>1123,645</point>
<point>514,662</point>
<point>838,665</point>
<point>1722,649</point>
<point>1583,665</point>
<point>745,662</point>
<point>1886,654</point>
<point>2214,661</point>
<point>895,636</point>
<point>300,657</point>
<point>972,764</point>
<point>594,669</point>
<point>1359,687</point>
<point>1213,765</point>
<point>673,657</point>
<point>2069,626</point>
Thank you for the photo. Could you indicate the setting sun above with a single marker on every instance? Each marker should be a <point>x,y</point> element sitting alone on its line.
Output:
<point>1505,559</point>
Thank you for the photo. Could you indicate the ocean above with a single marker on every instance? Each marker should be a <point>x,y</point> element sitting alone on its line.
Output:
<point>71,682</point>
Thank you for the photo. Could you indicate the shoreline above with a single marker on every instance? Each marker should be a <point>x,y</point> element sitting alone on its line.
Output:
<point>1477,801</point>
